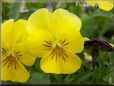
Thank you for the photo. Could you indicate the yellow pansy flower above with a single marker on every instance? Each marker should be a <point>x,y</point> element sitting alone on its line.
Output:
<point>55,37</point>
<point>106,5</point>
<point>14,52</point>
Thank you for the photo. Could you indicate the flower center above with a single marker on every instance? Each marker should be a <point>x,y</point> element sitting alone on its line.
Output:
<point>60,43</point>
<point>10,59</point>
<point>57,48</point>
<point>58,52</point>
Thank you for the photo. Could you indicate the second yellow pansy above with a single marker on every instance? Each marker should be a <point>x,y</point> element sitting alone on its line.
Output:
<point>55,37</point>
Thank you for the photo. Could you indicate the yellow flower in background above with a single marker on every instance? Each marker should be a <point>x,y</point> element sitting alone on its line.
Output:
<point>106,5</point>
<point>14,52</point>
<point>55,37</point>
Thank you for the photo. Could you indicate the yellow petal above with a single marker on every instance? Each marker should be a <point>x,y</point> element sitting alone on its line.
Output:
<point>20,30</point>
<point>105,5</point>
<point>73,38</point>
<point>60,65</point>
<point>20,74</point>
<point>6,29</point>
<point>39,42</point>
<point>86,39</point>
<point>13,32</point>
<point>67,19</point>
<point>39,20</point>
<point>24,54</point>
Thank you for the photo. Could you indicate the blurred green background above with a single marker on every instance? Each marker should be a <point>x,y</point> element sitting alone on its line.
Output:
<point>96,24</point>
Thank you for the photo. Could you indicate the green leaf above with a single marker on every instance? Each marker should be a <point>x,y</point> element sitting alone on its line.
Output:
<point>84,77</point>
<point>37,65</point>
<point>81,77</point>
<point>39,78</point>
